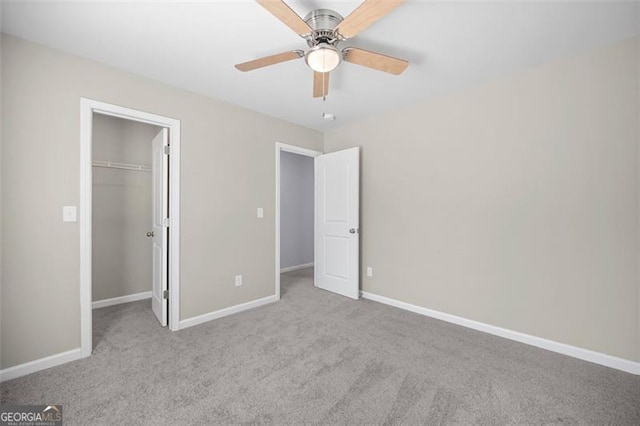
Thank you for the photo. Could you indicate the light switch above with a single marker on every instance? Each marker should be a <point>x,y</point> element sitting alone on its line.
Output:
<point>69,214</point>
<point>260,212</point>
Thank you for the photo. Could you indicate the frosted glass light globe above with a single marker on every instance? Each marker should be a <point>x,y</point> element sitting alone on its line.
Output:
<point>322,58</point>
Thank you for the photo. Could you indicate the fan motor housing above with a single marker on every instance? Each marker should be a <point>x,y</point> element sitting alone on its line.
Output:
<point>323,22</point>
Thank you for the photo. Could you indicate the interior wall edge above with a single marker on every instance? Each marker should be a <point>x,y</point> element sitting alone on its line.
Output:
<point>40,364</point>
<point>622,364</point>
<point>120,300</point>
<point>220,313</point>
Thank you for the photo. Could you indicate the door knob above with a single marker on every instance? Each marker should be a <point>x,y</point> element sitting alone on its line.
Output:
<point>150,234</point>
<point>353,230</point>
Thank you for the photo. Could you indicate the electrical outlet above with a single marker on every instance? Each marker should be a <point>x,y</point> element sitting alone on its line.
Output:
<point>369,271</point>
<point>238,280</point>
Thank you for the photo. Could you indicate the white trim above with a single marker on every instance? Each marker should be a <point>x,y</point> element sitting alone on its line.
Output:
<point>296,267</point>
<point>86,183</point>
<point>174,229</point>
<point>121,299</point>
<point>295,150</point>
<point>121,166</point>
<point>190,322</point>
<point>87,108</point>
<point>550,345</point>
<point>40,364</point>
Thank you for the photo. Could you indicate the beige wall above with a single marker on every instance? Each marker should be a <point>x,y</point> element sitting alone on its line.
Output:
<point>514,203</point>
<point>121,208</point>
<point>228,170</point>
<point>1,202</point>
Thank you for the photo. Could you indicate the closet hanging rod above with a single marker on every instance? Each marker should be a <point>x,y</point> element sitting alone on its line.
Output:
<point>122,166</point>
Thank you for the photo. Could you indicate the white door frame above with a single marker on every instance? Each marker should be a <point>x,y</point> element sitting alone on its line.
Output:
<point>295,150</point>
<point>89,107</point>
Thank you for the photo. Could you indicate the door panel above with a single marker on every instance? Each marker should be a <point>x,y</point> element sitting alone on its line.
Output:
<point>337,197</point>
<point>160,172</point>
<point>336,256</point>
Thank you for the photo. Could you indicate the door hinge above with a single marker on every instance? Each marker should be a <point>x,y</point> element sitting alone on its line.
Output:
<point>167,149</point>
<point>166,222</point>
<point>165,294</point>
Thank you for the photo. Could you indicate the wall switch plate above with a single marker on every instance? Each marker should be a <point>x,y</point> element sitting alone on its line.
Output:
<point>260,212</point>
<point>369,271</point>
<point>238,280</point>
<point>69,214</point>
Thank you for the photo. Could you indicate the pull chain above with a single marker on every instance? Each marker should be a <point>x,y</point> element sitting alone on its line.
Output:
<point>324,91</point>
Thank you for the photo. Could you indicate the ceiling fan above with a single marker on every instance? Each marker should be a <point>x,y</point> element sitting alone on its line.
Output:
<point>324,29</point>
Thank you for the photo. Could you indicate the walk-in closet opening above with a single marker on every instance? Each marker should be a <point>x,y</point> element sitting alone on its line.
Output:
<point>127,204</point>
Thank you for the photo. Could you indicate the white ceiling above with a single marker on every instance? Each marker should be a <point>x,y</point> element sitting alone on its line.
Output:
<point>450,45</point>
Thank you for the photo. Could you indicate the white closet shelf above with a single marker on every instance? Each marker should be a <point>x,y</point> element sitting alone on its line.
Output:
<point>122,166</point>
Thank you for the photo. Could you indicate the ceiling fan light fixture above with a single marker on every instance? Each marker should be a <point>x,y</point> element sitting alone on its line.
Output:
<point>323,30</point>
<point>322,58</point>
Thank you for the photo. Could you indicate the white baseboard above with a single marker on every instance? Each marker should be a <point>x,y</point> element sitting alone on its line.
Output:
<point>122,299</point>
<point>40,364</point>
<point>295,268</point>
<point>190,322</point>
<point>562,348</point>
<point>75,354</point>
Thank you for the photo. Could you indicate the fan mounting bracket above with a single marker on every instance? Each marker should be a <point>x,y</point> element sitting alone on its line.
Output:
<point>323,23</point>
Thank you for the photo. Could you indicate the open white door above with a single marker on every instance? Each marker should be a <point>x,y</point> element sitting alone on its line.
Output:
<point>160,176</point>
<point>337,222</point>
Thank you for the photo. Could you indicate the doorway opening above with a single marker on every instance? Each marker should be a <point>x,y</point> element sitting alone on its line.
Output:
<point>129,213</point>
<point>335,203</point>
<point>295,244</point>
<point>127,207</point>
<point>296,219</point>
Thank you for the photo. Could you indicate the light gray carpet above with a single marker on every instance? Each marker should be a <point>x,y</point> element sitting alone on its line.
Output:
<point>315,357</point>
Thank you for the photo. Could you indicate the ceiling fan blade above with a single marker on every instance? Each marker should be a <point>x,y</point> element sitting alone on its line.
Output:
<point>364,15</point>
<point>283,12</point>
<point>320,84</point>
<point>270,60</point>
<point>377,61</point>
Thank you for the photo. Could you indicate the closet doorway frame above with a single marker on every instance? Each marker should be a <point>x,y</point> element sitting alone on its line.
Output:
<point>89,107</point>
